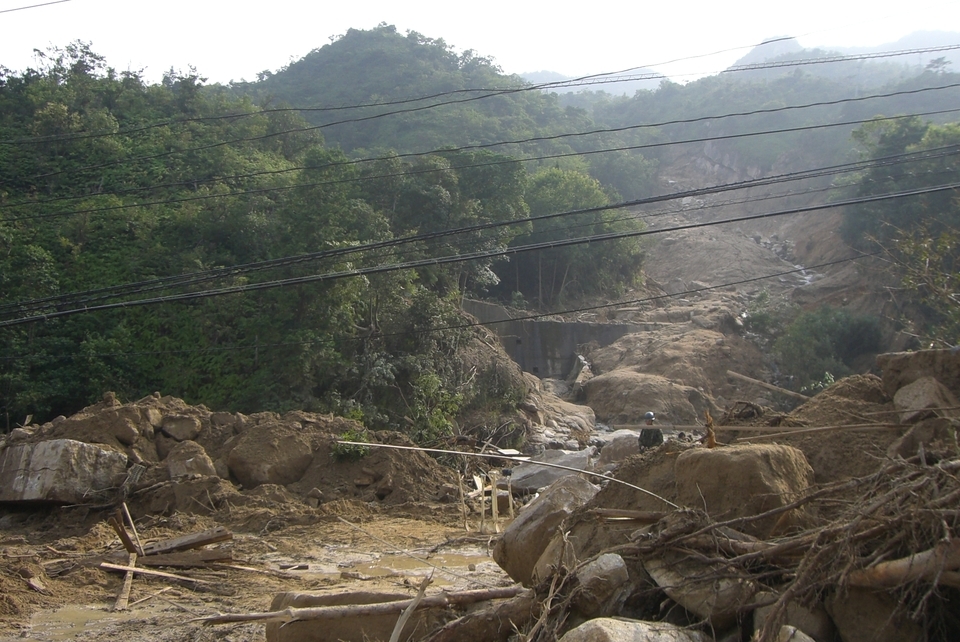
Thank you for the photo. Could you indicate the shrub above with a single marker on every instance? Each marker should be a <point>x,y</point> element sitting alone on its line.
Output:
<point>825,342</point>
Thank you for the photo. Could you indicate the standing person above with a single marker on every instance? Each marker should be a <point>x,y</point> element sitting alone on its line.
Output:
<point>650,437</point>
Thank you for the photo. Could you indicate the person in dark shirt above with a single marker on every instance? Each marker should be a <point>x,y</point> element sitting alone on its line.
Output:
<point>650,437</point>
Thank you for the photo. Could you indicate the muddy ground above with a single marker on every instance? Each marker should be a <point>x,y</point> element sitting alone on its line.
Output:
<point>280,550</point>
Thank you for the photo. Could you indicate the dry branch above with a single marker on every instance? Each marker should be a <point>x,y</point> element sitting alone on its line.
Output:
<point>768,386</point>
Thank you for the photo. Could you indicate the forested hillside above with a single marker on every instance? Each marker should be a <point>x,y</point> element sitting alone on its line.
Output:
<point>262,246</point>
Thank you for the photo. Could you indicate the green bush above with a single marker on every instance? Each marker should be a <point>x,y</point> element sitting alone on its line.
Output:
<point>350,452</point>
<point>821,345</point>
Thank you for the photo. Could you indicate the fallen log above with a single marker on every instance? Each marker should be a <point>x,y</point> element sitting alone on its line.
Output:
<point>924,566</point>
<point>365,610</point>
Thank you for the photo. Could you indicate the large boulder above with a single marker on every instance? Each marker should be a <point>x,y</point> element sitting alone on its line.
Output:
<point>619,445</point>
<point>187,459</point>
<point>902,368</point>
<point>624,396</point>
<point>525,539</point>
<point>59,470</point>
<point>601,583</point>
<point>273,453</point>
<point>925,397</point>
<point>933,435</point>
<point>615,630</point>
<point>711,592</point>
<point>530,477</point>
<point>741,481</point>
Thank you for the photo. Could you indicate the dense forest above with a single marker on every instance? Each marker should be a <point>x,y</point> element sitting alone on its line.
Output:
<point>296,242</point>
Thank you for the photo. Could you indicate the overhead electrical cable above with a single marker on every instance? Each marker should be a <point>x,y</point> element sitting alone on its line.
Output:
<point>34,6</point>
<point>461,258</point>
<point>487,146</point>
<point>248,139</point>
<point>529,317</point>
<point>265,190</point>
<point>208,275</point>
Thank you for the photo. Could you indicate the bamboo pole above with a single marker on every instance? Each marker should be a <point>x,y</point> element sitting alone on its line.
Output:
<point>494,501</point>
<point>144,571</point>
<point>407,612</point>
<point>802,431</point>
<point>768,386</point>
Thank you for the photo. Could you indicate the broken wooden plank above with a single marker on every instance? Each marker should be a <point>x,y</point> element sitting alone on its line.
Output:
<point>122,533</point>
<point>124,597</point>
<point>145,571</point>
<point>133,527</point>
<point>187,542</point>
<point>188,559</point>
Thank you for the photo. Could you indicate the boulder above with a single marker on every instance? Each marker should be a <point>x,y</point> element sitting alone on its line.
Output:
<point>274,453</point>
<point>611,630</point>
<point>600,582</point>
<point>188,458</point>
<point>349,629</point>
<point>180,427</point>
<point>59,470</point>
<point>739,481</point>
<point>619,445</point>
<point>624,396</point>
<point>862,615</point>
<point>901,368</point>
<point>525,539</point>
<point>814,622</point>
<point>929,433</point>
<point>529,478</point>
<point>709,591</point>
<point>924,398</point>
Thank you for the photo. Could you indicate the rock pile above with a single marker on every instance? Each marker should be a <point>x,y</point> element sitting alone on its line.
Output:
<point>164,455</point>
<point>747,541</point>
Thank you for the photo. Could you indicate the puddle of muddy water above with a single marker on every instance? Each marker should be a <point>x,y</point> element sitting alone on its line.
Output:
<point>71,621</point>
<point>323,565</point>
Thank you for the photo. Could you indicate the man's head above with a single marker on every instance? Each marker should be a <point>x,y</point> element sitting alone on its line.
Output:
<point>649,418</point>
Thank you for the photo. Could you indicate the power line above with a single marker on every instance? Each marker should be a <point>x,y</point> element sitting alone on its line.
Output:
<point>461,258</point>
<point>831,59</point>
<point>486,146</point>
<point>199,277</point>
<point>264,190</point>
<point>34,6</point>
<point>483,146</point>
<point>530,317</point>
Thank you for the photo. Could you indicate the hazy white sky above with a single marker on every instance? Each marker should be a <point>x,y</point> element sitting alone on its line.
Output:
<point>233,40</point>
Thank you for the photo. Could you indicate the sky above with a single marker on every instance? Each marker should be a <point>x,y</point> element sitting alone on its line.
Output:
<point>227,41</point>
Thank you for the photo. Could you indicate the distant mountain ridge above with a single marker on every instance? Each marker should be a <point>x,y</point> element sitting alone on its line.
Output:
<point>777,48</point>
